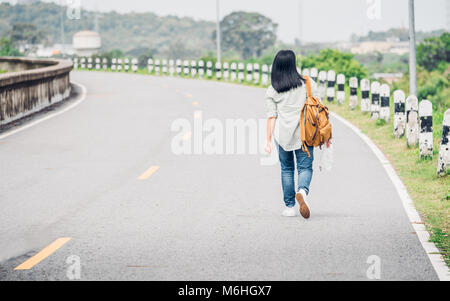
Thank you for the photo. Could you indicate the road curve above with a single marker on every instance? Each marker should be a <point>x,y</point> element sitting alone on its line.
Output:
<point>197,217</point>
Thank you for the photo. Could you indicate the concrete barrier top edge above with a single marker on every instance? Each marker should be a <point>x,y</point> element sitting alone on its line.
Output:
<point>54,67</point>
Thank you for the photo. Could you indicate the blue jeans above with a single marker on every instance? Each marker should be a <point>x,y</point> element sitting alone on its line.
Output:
<point>304,169</point>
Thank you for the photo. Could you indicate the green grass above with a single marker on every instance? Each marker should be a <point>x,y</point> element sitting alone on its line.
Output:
<point>2,71</point>
<point>430,193</point>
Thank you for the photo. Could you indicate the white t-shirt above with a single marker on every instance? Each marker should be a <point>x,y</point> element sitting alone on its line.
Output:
<point>286,108</point>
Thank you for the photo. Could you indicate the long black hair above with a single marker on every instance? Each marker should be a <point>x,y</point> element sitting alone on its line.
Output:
<point>285,76</point>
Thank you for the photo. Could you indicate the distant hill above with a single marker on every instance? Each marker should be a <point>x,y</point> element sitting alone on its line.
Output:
<point>131,32</point>
<point>399,34</point>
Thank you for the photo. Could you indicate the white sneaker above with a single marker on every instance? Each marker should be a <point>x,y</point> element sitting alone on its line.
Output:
<point>304,207</point>
<point>289,212</point>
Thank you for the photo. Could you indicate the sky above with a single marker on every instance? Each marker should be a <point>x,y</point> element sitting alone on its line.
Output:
<point>317,21</point>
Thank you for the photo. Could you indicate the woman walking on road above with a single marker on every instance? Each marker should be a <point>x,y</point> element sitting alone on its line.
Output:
<point>285,99</point>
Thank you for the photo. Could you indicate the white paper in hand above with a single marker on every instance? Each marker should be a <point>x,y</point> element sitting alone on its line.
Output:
<point>326,161</point>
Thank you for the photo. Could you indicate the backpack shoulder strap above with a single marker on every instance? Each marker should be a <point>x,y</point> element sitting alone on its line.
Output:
<point>308,86</point>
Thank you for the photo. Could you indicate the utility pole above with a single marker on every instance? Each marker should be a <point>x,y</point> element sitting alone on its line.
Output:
<point>63,40</point>
<point>412,51</point>
<point>219,55</point>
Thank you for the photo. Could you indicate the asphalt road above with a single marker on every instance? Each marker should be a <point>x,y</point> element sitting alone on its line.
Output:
<point>198,217</point>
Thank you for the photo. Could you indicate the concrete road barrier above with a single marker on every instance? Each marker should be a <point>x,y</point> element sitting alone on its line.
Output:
<point>37,85</point>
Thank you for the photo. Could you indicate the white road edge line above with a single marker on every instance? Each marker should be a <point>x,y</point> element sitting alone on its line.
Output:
<point>432,251</point>
<point>80,99</point>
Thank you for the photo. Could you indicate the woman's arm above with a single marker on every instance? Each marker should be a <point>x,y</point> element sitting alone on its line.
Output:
<point>272,114</point>
<point>270,128</point>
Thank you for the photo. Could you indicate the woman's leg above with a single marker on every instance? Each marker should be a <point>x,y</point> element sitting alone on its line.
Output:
<point>304,168</point>
<point>287,176</point>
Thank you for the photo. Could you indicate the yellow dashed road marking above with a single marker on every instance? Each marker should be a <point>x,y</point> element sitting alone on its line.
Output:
<point>47,251</point>
<point>148,173</point>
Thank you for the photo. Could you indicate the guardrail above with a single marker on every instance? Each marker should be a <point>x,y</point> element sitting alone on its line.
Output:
<point>31,85</point>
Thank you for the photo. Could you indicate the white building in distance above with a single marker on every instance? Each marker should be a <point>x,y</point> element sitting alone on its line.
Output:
<point>86,43</point>
<point>380,46</point>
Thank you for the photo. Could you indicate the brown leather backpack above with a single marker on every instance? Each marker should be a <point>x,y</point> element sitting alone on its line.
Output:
<point>315,126</point>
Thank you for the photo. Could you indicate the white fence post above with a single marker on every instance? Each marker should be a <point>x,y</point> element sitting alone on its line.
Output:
<point>134,63</point>
<point>164,67</point>
<point>331,78</point>
<point>265,75</point>
<point>119,65</point>
<point>426,129</point>
<point>186,68</point>
<point>90,66</point>
<point>340,96</point>
<point>249,72</point>
<point>399,114</point>
<point>353,99</point>
<point>209,69</point>
<point>193,68</point>
<point>127,64</point>
<point>157,67</point>
<point>218,69</point>
<point>385,101</point>
<point>226,71</point>
<point>150,66</point>
<point>97,64</point>
<point>444,150</point>
<point>412,124</point>
<point>314,74</point>
<point>375,107</point>
<point>201,68</point>
<point>179,69</point>
<point>306,72</point>
<point>105,64</point>
<point>113,64</point>
<point>256,75</point>
<point>241,72</point>
<point>322,88</point>
<point>171,67</point>
<point>365,95</point>
<point>233,71</point>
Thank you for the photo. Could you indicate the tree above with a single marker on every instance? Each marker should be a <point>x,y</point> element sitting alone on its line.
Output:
<point>144,57</point>
<point>116,53</point>
<point>6,48</point>
<point>247,33</point>
<point>125,31</point>
<point>434,53</point>
<point>24,33</point>
<point>136,52</point>
<point>177,50</point>
<point>340,62</point>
